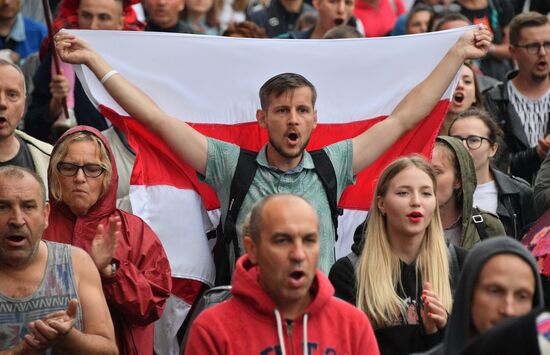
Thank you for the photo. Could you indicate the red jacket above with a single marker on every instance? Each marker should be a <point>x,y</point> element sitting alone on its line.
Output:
<point>247,324</point>
<point>137,293</point>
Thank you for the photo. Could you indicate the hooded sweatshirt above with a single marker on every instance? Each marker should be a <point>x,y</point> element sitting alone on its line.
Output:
<point>249,323</point>
<point>457,334</point>
<point>493,226</point>
<point>136,294</point>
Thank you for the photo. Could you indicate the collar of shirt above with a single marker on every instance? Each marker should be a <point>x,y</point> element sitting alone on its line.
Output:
<point>305,163</point>
<point>18,30</point>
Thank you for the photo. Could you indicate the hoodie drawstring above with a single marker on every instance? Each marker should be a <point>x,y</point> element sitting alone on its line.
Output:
<point>305,334</point>
<point>280,332</point>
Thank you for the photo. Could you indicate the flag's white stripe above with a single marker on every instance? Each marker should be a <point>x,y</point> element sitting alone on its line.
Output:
<point>179,219</point>
<point>166,328</point>
<point>347,223</point>
<point>208,79</point>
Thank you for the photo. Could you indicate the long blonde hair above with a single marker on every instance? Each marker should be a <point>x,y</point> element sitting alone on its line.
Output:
<point>378,271</point>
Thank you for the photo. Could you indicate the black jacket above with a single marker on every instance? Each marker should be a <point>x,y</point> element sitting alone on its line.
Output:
<point>399,339</point>
<point>274,18</point>
<point>37,121</point>
<point>516,155</point>
<point>516,204</point>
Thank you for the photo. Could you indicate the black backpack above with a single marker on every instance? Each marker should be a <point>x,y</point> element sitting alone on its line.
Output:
<point>226,234</point>
<point>206,299</point>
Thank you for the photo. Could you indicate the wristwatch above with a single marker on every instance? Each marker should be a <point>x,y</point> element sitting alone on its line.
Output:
<point>114,266</point>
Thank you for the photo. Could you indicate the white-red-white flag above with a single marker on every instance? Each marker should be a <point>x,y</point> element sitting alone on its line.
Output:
<point>213,83</point>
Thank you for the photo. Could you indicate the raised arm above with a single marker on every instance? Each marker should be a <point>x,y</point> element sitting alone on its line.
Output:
<point>188,144</point>
<point>418,103</point>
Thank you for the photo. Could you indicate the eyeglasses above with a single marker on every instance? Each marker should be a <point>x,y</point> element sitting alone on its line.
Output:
<point>473,142</point>
<point>90,170</point>
<point>534,48</point>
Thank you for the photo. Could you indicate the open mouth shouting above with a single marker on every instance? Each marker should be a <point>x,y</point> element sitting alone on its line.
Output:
<point>3,121</point>
<point>297,278</point>
<point>458,98</point>
<point>293,138</point>
<point>16,240</point>
<point>338,21</point>
<point>415,216</point>
<point>542,65</point>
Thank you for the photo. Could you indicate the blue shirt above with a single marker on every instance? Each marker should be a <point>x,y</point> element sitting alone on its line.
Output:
<point>26,36</point>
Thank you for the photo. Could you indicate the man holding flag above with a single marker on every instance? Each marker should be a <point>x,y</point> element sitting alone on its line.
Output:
<point>171,141</point>
<point>288,113</point>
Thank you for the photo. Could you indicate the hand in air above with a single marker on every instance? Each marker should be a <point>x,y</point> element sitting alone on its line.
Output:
<point>59,86</point>
<point>105,243</point>
<point>434,314</point>
<point>72,49</point>
<point>475,43</point>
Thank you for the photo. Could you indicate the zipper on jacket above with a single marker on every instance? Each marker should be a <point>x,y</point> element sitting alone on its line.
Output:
<point>289,329</point>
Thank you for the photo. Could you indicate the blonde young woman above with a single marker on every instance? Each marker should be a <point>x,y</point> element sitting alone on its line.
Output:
<point>402,276</point>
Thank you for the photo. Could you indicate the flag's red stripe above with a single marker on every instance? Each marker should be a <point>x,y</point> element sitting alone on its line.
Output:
<point>156,164</point>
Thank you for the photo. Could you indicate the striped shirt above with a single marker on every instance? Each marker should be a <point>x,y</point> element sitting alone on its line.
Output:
<point>534,113</point>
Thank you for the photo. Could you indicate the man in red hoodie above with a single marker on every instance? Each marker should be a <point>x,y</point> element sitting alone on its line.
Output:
<point>281,303</point>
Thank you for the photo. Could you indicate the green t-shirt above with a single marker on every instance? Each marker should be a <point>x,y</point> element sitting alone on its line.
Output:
<point>302,181</point>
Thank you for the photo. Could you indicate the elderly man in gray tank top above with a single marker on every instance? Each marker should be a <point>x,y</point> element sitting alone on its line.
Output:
<point>51,298</point>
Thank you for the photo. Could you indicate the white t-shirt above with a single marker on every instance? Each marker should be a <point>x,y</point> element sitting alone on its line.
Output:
<point>486,197</point>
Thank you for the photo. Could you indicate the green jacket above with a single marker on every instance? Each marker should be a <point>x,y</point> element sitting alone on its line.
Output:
<point>491,222</point>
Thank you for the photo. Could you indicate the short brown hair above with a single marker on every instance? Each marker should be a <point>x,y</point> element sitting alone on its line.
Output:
<point>495,132</point>
<point>528,19</point>
<point>283,83</point>
<point>60,153</point>
<point>245,29</point>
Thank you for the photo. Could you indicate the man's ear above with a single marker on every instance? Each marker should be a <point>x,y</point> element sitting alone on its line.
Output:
<point>46,214</point>
<point>260,117</point>
<point>314,118</point>
<point>251,249</point>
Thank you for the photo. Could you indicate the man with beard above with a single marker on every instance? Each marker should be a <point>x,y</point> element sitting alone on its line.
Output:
<point>522,102</point>
<point>288,113</point>
<point>50,293</point>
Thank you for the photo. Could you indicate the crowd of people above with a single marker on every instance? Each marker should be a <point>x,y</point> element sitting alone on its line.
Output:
<point>438,266</point>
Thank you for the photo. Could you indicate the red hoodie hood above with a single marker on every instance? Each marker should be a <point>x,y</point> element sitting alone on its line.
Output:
<point>62,220</point>
<point>246,287</point>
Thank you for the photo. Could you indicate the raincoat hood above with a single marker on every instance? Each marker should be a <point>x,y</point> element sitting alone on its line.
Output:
<point>468,181</point>
<point>105,205</point>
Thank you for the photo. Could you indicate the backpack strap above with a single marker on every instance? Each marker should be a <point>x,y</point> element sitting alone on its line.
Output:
<point>244,174</point>
<point>226,233</point>
<point>479,222</point>
<point>327,175</point>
